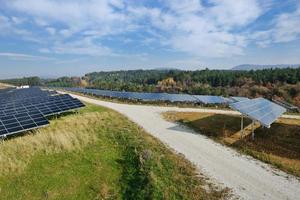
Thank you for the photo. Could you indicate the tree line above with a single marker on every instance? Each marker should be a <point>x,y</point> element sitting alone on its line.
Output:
<point>279,83</point>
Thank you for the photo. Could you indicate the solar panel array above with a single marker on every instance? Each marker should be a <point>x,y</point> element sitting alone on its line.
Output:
<point>237,99</point>
<point>206,99</point>
<point>259,109</point>
<point>26,109</point>
<point>144,96</point>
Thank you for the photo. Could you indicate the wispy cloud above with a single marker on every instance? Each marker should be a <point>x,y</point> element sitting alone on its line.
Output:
<point>24,57</point>
<point>202,31</point>
<point>285,28</point>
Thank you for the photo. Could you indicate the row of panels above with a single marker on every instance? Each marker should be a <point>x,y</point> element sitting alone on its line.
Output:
<point>21,122</point>
<point>259,109</point>
<point>46,108</point>
<point>143,96</point>
<point>12,95</point>
<point>29,107</point>
<point>60,101</point>
<point>37,97</point>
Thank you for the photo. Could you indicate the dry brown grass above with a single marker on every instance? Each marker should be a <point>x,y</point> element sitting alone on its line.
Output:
<point>279,145</point>
<point>64,134</point>
<point>214,125</point>
<point>3,86</point>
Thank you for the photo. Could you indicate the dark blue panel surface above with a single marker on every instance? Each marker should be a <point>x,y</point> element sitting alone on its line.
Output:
<point>144,96</point>
<point>24,109</point>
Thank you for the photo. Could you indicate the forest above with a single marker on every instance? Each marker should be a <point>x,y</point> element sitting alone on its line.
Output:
<point>281,84</point>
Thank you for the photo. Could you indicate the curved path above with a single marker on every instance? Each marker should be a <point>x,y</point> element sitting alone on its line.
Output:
<point>248,178</point>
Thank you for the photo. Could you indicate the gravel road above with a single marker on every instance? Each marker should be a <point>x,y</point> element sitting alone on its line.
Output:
<point>248,178</point>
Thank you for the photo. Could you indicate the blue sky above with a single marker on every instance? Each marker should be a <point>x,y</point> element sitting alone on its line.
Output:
<point>53,38</point>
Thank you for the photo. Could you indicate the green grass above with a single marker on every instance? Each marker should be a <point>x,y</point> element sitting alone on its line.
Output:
<point>96,154</point>
<point>278,146</point>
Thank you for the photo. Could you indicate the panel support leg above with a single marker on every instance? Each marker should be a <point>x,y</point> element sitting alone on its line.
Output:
<point>2,138</point>
<point>252,126</point>
<point>242,126</point>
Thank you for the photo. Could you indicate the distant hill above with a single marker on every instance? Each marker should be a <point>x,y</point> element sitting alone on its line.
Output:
<point>166,69</point>
<point>256,67</point>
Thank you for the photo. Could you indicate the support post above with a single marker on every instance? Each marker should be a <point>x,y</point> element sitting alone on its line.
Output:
<point>2,138</point>
<point>252,129</point>
<point>242,126</point>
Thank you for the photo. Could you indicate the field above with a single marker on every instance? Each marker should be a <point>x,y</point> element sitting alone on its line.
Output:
<point>279,145</point>
<point>96,154</point>
<point>3,86</point>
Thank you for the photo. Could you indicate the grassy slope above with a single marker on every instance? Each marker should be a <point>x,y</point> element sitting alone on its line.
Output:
<point>96,154</point>
<point>279,145</point>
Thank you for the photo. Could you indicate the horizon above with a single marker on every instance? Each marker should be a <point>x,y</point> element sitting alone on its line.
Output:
<point>158,69</point>
<point>71,38</point>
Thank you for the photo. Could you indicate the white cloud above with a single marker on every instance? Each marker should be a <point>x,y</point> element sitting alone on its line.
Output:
<point>84,46</point>
<point>24,57</point>
<point>44,50</point>
<point>231,13</point>
<point>66,32</point>
<point>75,15</point>
<point>17,20</point>
<point>218,44</point>
<point>214,29</point>
<point>51,30</point>
<point>184,6</point>
<point>190,27</point>
<point>40,22</point>
<point>75,18</point>
<point>10,26</point>
<point>76,60</point>
<point>285,28</point>
<point>4,24</point>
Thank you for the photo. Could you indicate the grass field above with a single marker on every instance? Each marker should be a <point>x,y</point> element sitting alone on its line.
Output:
<point>4,86</point>
<point>96,154</point>
<point>279,145</point>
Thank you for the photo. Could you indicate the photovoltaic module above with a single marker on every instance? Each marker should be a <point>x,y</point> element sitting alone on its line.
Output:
<point>26,109</point>
<point>259,109</point>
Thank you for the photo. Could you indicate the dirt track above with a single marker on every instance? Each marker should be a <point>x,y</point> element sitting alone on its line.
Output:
<point>249,178</point>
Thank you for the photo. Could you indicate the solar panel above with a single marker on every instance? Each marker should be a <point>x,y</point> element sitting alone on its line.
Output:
<point>18,94</point>
<point>143,96</point>
<point>12,124</point>
<point>63,102</point>
<point>25,109</point>
<point>182,98</point>
<point>206,99</point>
<point>146,96</point>
<point>162,97</point>
<point>260,109</point>
<point>57,105</point>
<point>237,99</point>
